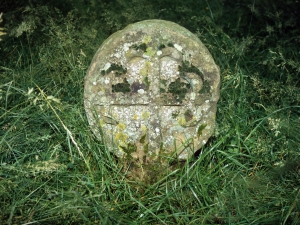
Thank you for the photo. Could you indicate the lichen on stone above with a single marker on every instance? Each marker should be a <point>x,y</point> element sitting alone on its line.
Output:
<point>122,137</point>
<point>146,69</point>
<point>145,115</point>
<point>153,88</point>
<point>149,52</point>
<point>146,39</point>
<point>200,130</point>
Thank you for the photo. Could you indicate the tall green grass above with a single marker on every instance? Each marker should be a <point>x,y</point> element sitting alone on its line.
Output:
<point>52,168</point>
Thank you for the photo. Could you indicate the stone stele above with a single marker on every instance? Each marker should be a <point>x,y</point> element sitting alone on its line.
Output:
<point>151,92</point>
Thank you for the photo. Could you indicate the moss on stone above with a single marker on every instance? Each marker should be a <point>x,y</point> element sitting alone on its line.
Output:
<point>186,67</point>
<point>178,89</point>
<point>147,82</point>
<point>121,87</point>
<point>170,44</point>
<point>175,114</point>
<point>143,138</point>
<point>161,46</point>
<point>162,90</point>
<point>142,47</point>
<point>205,88</point>
<point>200,129</point>
<point>118,69</point>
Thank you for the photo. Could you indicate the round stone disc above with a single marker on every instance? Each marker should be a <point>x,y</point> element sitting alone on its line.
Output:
<point>151,91</point>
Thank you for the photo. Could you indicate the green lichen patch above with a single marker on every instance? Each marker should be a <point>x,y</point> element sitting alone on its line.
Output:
<point>200,129</point>
<point>150,52</point>
<point>146,69</point>
<point>147,82</point>
<point>121,87</point>
<point>178,89</point>
<point>147,39</point>
<point>143,138</point>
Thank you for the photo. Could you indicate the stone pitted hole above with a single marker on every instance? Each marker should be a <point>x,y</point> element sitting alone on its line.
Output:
<point>151,93</point>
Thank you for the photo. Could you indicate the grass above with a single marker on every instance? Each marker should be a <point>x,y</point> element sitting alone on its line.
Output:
<point>52,168</point>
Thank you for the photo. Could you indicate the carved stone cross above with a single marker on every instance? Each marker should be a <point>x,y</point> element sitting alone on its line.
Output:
<point>151,92</point>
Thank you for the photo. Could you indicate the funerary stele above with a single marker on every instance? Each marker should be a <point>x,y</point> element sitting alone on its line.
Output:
<point>151,92</point>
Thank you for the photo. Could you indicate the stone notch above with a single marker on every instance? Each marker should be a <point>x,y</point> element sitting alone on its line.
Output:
<point>151,92</point>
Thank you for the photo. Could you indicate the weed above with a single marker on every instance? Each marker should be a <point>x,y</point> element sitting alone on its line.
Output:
<point>53,169</point>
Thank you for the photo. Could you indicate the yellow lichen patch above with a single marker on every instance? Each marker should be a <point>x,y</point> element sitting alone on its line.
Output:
<point>129,54</point>
<point>143,128</point>
<point>101,122</point>
<point>121,126</point>
<point>146,39</point>
<point>181,121</point>
<point>121,137</point>
<point>145,115</point>
<point>150,52</point>
<point>135,117</point>
<point>146,69</point>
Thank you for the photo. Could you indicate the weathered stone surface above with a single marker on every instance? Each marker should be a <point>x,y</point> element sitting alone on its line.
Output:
<point>151,92</point>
